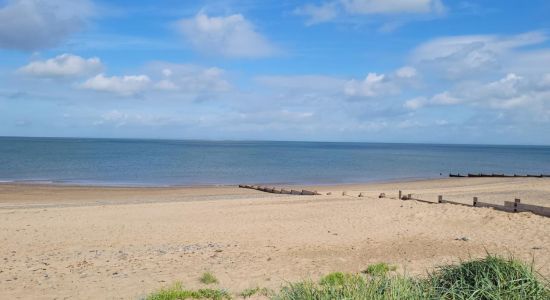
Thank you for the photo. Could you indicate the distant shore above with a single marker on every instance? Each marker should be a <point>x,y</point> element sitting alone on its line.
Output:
<point>94,242</point>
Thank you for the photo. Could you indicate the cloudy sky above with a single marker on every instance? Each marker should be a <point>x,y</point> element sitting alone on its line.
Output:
<point>334,70</point>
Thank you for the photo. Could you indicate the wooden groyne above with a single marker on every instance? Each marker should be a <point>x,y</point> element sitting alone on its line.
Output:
<point>498,175</point>
<point>509,206</point>
<point>278,191</point>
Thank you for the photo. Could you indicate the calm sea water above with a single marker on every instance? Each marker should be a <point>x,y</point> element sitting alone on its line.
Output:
<point>165,162</point>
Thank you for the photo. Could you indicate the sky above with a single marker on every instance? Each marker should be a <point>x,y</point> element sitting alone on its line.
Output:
<point>424,71</point>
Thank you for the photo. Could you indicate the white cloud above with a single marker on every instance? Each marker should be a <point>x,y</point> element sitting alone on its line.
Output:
<point>303,83</point>
<point>36,24</point>
<point>166,85</point>
<point>415,103</point>
<point>65,65</point>
<point>230,36</point>
<point>393,6</point>
<point>318,13</point>
<point>373,85</point>
<point>331,10</point>
<point>122,85</point>
<point>321,87</point>
<point>190,78</point>
<point>463,56</point>
<point>406,72</point>
<point>445,98</point>
<point>167,72</point>
<point>209,79</point>
<point>511,92</point>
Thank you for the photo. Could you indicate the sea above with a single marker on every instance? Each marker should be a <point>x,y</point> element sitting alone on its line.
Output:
<point>147,162</point>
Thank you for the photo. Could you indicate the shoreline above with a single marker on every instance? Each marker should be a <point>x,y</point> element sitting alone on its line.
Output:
<point>144,185</point>
<point>494,190</point>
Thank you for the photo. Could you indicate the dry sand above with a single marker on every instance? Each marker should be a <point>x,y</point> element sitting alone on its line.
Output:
<point>113,243</point>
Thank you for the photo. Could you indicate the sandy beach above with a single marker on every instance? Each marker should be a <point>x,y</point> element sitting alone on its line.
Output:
<point>76,242</point>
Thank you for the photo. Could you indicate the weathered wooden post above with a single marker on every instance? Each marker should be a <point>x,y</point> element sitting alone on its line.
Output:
<point>440,199</point>
<point>516,202</point>
<point>400,194</point>
<point>475,201</point>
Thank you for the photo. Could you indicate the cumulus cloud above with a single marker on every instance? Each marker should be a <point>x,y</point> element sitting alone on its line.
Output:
<point>330,10</point>
<point>229,36</point>
<point>190,78</point>
<point>31,25</point>
<point>121,85</point>
<point>393,6</point>
<point>64,65</point>
<point>406,72</point>
<point>489,77</point>
<point>444,98</point>
<point>415,103</point>
<point>322,86</point>
<point>461,56</point>
<point>511,92</point>
<point>373,85</point>
<point>318,13</point>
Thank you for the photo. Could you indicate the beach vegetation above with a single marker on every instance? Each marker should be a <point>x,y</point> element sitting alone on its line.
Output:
<point>489,278</point>
<point>335,279</point>
<point>178,292</point>
<point>379,269</point>
<point>256,291</point>
<point>492,278</point>
<point>208,278</point>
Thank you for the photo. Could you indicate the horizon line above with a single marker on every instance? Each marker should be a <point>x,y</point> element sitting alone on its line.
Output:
<point>262,140</point>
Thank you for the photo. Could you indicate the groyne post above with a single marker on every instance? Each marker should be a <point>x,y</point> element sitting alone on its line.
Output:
<point>516,202</point>
<point>440,199</point>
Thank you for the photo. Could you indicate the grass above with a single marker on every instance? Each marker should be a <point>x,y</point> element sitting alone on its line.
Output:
<point>256,291</point>
<point>379,269</point>
<point>490,278</point>
<point>177,292</point>
<point>208,278</point>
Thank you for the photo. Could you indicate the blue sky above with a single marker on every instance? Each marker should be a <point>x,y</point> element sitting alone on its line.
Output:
<point>336,70</point>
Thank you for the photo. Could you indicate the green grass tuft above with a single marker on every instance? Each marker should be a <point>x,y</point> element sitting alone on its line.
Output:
<point>334,279</point>
<point>208,278</point>
<point>491,278</point>
<point>177,292</point>
<point>256,291</point>
<point>379,269</point>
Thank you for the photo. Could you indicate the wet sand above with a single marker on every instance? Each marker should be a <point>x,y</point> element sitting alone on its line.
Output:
<point>122,243</point>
